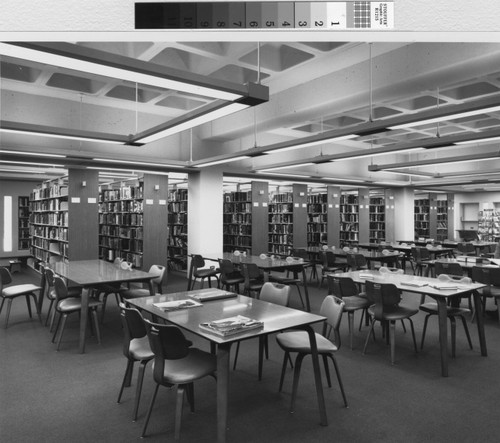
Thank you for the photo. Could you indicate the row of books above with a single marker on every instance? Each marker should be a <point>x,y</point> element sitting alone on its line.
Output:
<point>110,254</point>
<point>49,205</point>
<point>51,190</point>
<point>48,218</point>
<point>237,207</point>
<point>50,232</point>
<point>237,218</point>
<point>121,219</point>
<point>280,218</point>
<point>122,231</point>
<point>123,193</point>
<point>121,206</point>
<point>237,229</point>
<point>238,196</point>
<point>177,218</point>
<point>124,244</point>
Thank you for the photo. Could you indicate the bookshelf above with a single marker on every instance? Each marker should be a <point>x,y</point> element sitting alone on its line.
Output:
<point>421,217</point>
<point>489,222</point>
<point>377,226</point>
<point>177,226</point>
<point>317,218</point>
<point>442,220</point>
<point>23,227</point>
<point>121,230</point>
<point>349,219</point>
<point>48,221</point>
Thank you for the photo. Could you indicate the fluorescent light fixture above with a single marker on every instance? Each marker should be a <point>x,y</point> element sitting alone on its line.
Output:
<point>48,56</point>
<point>442,161</point>
<point>104,169</point>
<point>406,173</point>
<point>62,136</point>
<point>480,140</point>
<point>390,183</point>
<point>224,160</point>
<point>20,163</point>
<point>287,175</point>
<point>345,179</point>
<point>24,171</point>
<point>37,154</point>
<point>191,123</point>
<point>399,151</point>
<point>311,143</point>
<point>446,117</point>
<point>128,162</point>
<point>277,168</point>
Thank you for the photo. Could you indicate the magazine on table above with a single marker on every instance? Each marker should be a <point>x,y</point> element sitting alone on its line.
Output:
<point>231,325</point>
<point>177,304</point>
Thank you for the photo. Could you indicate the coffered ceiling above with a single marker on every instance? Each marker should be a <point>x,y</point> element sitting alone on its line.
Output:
<point>314,87</point>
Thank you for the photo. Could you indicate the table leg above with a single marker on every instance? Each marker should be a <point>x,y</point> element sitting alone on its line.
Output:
<point>443,334</point>
<point>151,287</point>
<point>306,292</point>
<point>84,318</point>
<point>478,310</point>
<point>190,276</point>
<point>223,354</point>
<point>317,376</point>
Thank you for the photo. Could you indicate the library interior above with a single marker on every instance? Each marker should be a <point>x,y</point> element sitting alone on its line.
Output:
<point>144,169</point>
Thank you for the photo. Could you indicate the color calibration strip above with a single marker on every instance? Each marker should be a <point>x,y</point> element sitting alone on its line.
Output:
<point>265,15</point>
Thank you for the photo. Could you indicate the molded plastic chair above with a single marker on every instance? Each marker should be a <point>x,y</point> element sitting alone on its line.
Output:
<point>75,291</point>
<point>135,348</point>
<point>159,272</point>
<point>294,280</point>
<point>201,272</point>
<point>254,279</point>
<point>298,341</point>
<point>311,262</point>
<point>448,268</point>
<point>345,289</point>
<point>106,289</point>
<point>65,305</point>
<point>230,277</point>
<point>419,256</point>
<point>329,264</point>
<point>272,293</point>
<point>356,261</point>
<point>176,364</point>
<point>386,309</point>
<point>466,249</point>
<point>431,308</point>
<point>9,293</point>
<point>489,276</point>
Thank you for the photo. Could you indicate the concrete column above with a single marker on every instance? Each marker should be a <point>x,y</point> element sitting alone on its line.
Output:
<point>404,226</point>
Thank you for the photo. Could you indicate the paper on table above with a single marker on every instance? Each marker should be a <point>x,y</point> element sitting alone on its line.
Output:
<point>177,304</point>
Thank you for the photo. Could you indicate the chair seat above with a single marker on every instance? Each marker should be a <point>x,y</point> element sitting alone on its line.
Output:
<point>15,291</point>
<point>139,349</point>
<point>197,364</point>
<point>233,280</point>
<point>396,313</point>
<point>73,291</point>
<point>284,280</point>
<point>298,341</point>
<point>431,308</point>
<point>71,304</point>
<point>355,302</point>
<point>490,291</point>
<point>204,273</point>
<point>136,293</point>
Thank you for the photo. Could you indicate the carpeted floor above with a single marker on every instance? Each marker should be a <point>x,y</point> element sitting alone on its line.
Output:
<point>49,396</point>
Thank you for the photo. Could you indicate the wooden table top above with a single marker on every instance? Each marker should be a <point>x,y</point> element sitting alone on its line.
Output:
<point>93,272</point>
<point>275,317</point>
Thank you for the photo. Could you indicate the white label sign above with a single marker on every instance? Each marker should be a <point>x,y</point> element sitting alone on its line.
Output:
<point>75,199</point>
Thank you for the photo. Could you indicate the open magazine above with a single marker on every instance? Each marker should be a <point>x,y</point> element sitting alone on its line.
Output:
<point>231,325</point>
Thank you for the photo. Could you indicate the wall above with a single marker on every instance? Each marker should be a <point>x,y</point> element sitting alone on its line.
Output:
<point>15,189</point>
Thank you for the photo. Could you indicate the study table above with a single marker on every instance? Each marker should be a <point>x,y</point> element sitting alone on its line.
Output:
<point>466,262</point>
<point>91,273</point>
<point>275,318</point>
<point>424,285</point>
<point>267,264</point>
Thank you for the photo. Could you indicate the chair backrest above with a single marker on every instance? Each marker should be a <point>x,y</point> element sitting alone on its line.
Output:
<point>159,272</point>
<point>300,253</point>
<point>167,343</point>
<point>251,272</point>
<point>329,259</point>
<point>60,288</point>
<point>383,247</point>
<point>355,261</point>
<point>450,268</point>
<point>486,275</point>
<point>197,261</point>
<point>454,278</point>
<point>390,270</point>
<point>5,276</point>
<point>384,296</point>
<point>332,308</point>
<point>419,254</point>
<point>133,326</point>
<point>466,247</point>
<point>341,286</point>
<point>275,293</point>
<point>226,266</point>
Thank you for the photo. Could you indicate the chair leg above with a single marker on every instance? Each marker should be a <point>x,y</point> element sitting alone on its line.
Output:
<point>49,312</point>
<point>57,327</point>
<point>368,336</point>
<point>96,324</point>
<point>453,327</point>
<point>341,385</point>
<point>413,335</point>
<point>140,378</point>
<point>327,370</point>
<point>283,369</point>
<point>126,378</point>
<point>392,340</point>
<point>178,411</point>
<point>424,331</point>
<point>9,305</point>
<point>103,309</point>
<point>262,346</point>
<point>466,329</point>
<point>350,318</point>
<point>63,324</point>
<point>150,410</point>
<point>296,375</point>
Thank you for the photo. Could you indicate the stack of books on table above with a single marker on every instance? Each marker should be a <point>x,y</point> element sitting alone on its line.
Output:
<point>231,325</point>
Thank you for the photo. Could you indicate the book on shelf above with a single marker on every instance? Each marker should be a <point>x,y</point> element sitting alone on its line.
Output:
<point>231,325</point>
<point>175,305</point>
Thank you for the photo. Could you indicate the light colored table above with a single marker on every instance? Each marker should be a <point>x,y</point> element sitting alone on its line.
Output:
<point>91,273</point>
<point>441,297</point>
<point>276,318</point>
